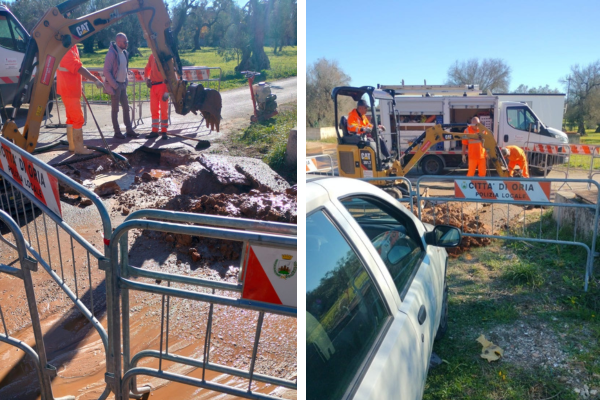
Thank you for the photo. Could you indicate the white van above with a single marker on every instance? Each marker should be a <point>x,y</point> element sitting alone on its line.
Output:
<point>13,43</point>
<point>513,123</point>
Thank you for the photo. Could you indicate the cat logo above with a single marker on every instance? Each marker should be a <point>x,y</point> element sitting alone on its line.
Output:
<point>81,29</point>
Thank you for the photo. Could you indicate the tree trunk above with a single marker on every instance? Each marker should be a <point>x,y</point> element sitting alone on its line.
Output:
<point>197,39</point>
<point>88,45</point>
<point>255,58</point>
<point>581,129</point>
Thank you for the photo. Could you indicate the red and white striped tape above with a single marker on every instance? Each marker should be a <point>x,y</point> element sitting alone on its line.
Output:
<point>502,190</point>
<point>270,275</point>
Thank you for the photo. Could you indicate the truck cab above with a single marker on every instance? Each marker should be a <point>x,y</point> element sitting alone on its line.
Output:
<point>519,125</point>
<point>13,42</point>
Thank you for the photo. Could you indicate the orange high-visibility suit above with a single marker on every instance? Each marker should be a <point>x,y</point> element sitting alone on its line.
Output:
<point>159,88</point>
<point>476,153</point>
<point>517,157</point>
<point>68,85</point>
<point>356,123</point>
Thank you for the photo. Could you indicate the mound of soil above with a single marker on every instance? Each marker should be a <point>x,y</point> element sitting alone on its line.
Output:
<point>466,221</point>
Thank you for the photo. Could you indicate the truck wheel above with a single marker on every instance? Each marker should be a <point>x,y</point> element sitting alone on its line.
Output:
<point>394,192</point>
<point>444,318</point>
<point>432,165</point>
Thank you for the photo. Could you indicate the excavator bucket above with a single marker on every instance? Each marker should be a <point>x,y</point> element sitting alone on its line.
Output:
<point>207,101</point>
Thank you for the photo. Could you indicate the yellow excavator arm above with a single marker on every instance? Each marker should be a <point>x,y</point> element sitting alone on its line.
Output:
<point>436,134</point>
<point>54,34</point>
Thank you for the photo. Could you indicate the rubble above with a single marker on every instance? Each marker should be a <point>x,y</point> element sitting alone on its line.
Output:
<point>107,189</point>
<point>453,215</point>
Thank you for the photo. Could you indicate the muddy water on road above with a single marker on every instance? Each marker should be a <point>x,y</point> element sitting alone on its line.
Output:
<point>75,348</point>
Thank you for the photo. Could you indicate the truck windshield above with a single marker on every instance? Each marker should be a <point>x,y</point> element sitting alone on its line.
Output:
<point>520,118</point>
<point>12,36</point>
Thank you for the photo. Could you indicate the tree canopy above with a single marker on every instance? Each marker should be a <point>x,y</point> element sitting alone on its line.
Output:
<point>490,74</point>
<point>321,78</point>
<point>239,32</point>
<point>536,90</point>
<point>583,104</point>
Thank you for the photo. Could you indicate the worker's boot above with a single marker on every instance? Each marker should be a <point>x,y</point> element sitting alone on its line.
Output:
<point>78,141</point>
<point>164,136</point>
<point>70,137</point>
<point>152,135</point>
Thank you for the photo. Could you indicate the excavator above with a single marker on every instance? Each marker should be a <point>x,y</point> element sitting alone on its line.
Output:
<point>55,33</point>
<point>358,159</point>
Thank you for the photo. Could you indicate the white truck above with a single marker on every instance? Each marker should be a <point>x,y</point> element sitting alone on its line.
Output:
<point>13,43</point>
<point>418,107</point>
<point>13,40</point>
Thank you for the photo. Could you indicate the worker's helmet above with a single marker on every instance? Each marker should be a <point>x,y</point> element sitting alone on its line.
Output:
<point>505,152</point>
<point>361,103</point>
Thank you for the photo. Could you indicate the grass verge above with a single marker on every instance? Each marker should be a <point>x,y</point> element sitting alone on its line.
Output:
<point>283,65</point>
<point>269,140</point>
<point>528,298</point>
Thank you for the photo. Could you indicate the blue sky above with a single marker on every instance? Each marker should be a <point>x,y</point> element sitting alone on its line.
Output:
<point>386,41</point>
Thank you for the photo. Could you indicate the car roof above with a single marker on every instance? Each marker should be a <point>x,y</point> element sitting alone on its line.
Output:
<point>319,191</point>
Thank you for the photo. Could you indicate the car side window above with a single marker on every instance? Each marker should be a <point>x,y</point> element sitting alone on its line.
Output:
<point>395,238</point>
<point>344,311</point>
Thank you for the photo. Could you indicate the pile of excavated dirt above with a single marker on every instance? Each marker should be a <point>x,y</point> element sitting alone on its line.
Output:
<point>466,221</point>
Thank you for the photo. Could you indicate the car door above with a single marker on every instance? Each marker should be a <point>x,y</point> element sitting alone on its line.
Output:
<point>358,345</point>
<point>396,242</point>
<point>13,40</point>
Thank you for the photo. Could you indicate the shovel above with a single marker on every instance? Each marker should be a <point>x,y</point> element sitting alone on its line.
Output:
<point>202,144</point>
<point>120,164</point>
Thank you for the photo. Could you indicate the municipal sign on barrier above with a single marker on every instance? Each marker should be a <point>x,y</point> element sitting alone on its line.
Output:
<point>502,190</point>
<point>271,275</point>
<point>34,179</point>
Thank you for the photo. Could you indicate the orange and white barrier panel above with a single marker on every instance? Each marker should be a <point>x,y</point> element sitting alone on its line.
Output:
<point>271,275</point>
<point>311,165</point>
<point>32,178</point>
<point>502,190</point>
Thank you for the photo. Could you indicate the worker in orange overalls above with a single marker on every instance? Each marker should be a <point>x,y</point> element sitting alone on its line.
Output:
<point>516,156</point>
<point>68,85</point>
<point>159,96</point>
<point>477,154</point>
<point>358,123</point>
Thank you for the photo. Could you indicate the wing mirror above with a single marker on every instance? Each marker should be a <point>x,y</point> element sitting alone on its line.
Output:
<point>443,236</point>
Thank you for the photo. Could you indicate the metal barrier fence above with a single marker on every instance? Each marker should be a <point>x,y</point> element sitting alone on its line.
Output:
<point>29,192</point>
<point>314,165</point>
<point>563,158</point>
<point>407,196</point>
<point>137,91</point>
<point>503,193</point>
<point>45,371</point>
<point>262,243</point>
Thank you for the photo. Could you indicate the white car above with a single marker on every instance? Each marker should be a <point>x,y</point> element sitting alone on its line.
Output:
<point>376,294</point>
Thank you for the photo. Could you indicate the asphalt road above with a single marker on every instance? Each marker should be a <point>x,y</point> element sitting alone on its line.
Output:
<point>237,105</point>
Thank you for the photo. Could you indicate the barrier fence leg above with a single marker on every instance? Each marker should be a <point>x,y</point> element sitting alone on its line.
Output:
<point>261,316</point>
<point>48,371</point>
